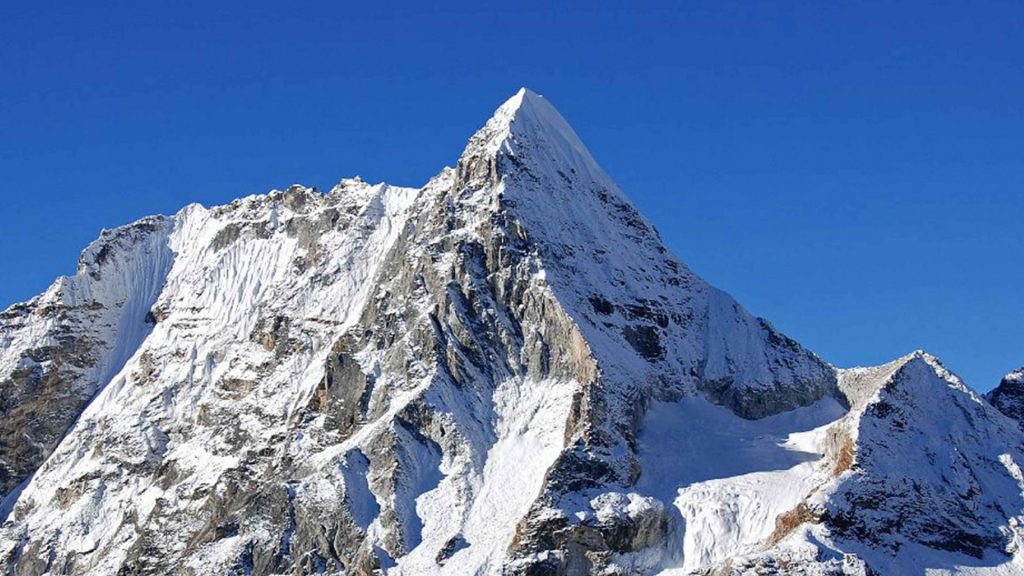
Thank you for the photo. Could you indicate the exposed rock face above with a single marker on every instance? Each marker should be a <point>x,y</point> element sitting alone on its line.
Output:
<point>504,371</point>
<point>1008,397</point>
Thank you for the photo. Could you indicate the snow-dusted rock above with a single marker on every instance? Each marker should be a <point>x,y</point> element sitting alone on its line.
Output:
<point>1008,397</point>
<point>923,477</point>
<point>60,348</point>
<point>504,371</point>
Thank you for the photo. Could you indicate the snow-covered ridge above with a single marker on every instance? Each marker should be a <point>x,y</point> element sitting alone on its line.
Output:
<point>502,372</point>
<point>59,349</point>
<point>223,279</point>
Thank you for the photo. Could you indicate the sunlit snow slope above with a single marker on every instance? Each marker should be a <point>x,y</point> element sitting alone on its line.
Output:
<point>502,372</point>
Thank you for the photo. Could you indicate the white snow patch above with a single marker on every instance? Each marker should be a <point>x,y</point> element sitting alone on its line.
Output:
<point>530,418</point>
<point>728,478</point>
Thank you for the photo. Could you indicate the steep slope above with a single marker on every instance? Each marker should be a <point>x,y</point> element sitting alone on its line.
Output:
<point>653,329</point>
<point>60,348</point>
<point>504,371</point>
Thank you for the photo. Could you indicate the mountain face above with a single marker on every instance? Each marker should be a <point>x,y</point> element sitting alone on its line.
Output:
<point>502,372</point>
<point>1008,397</point>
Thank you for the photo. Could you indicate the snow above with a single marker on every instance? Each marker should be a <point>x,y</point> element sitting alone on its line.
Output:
<point>213,298</point>
<point>216,392</point>
<point>530,428</point>
<point>358,496</point>
<point>529,419</point>
<point>728,478</point>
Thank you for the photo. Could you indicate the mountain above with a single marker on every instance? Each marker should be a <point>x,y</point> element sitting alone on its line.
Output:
<point>1008,397</point>
<point>502,372</point>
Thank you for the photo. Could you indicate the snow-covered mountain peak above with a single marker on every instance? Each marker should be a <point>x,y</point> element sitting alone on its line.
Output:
<point>922,366</point>
<point>526,112</point>
<point>860,384</point>
<point>923,428</point>
<point>502,372</point>
<point>606,263</point>
<point>533,135</point>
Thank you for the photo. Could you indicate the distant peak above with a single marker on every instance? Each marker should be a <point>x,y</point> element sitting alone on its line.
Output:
<point>1017,376</point>
<point>1008,397</point>
<point>922,358</point>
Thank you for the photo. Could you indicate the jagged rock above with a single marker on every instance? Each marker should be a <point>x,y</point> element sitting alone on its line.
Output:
<point>504,371</point>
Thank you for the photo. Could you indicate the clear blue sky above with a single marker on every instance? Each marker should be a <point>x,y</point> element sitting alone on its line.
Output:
<point>851,171</point>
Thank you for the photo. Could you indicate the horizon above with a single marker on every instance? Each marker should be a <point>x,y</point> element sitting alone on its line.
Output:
<point>867,209</point>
